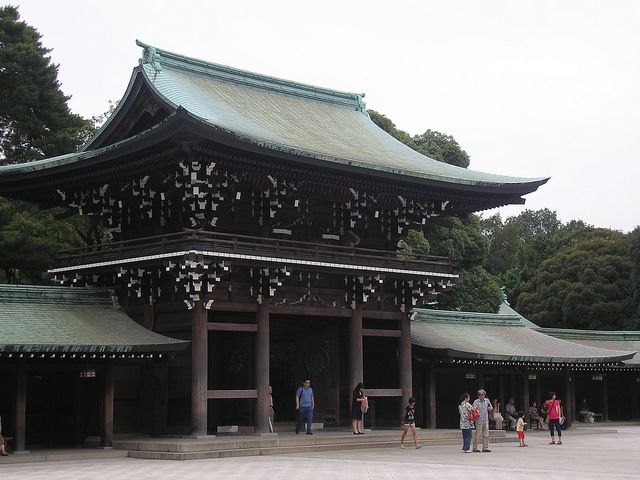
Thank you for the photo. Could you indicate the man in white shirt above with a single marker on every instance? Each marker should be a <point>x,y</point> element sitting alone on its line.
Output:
<point>483,405</point>
<point>511,413</point>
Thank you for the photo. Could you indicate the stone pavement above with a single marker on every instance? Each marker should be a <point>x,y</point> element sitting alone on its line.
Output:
<point>587,453</point>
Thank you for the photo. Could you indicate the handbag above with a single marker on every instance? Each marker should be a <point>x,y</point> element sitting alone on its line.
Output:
<point>561,420</point>
<point>364,405</point>
<point>473,415</point>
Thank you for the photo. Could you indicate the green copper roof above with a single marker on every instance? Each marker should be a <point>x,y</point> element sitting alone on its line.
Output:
<point>617,340</point>
<point>38,319</point>
<point>288,116</point>
<point>274,114</point>
<point>486,336</point>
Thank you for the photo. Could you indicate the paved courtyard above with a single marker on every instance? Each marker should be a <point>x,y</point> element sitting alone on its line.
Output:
<point>585,455</point>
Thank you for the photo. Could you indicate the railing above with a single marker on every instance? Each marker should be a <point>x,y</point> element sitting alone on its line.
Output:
<point>234,245</point>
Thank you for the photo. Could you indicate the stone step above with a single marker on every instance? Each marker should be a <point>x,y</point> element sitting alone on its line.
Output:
<point>251,442</point>
<point>257,448</point>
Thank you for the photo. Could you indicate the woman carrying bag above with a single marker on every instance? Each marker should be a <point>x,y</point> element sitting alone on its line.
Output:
<point>556,419</point>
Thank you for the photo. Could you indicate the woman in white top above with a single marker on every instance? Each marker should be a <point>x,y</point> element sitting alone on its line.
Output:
<point>496,415</point>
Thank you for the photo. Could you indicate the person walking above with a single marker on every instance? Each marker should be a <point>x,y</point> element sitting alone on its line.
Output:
<point>357,400</point>
<point>554,408</point>
<point>483,405</point>
<point>466,424</point>
<point>305,403</point>
<point>409,421</point>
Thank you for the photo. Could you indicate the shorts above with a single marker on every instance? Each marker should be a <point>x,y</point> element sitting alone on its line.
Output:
<point>409,424</point>
<point>520,435</point>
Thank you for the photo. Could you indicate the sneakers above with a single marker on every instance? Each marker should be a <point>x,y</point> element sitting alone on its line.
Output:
<point>467,451</point>
<point>309,433</point>
<point>402,445</point>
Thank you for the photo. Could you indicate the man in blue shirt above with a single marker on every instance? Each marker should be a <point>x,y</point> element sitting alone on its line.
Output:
<point>305,404</point>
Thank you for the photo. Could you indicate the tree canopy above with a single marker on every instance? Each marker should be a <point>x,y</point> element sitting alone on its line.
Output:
<point>29,240</point>
<point>433,144</point>
<point>35,121</point>
<point>586,284</point>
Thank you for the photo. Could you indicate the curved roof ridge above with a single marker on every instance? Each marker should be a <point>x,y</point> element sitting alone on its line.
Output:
<point>159,58</point>
<point>471,318</point>
<point>608,335</point>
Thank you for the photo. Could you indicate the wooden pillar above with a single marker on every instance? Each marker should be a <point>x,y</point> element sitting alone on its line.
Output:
<point>480,382</point>
<point>406,380</point>
<point>574,404</point>
<point>538,392</point>
<point>148,316</point>
<point>635,399</point>
<point>20,413</point>
<point>525,395</point>
<point>262,370</point>
<point>567,406</point>
<point>605,399</point>
<point>107,407</point>
<point>199,369</point>
<point>432,396</point>
<point>356,367</point>
<point>502,400</point>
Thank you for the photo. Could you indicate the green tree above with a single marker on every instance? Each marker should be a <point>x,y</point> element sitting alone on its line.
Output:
<point>35,121</point>
<point>29,240</point>
<point>443,147</point>
<point>388,126</point>
<point>586,284</point>
<point>478,292</point>
<point>461,239</point>
<point>463,242</point>
<point>433,144</point>
<point>520,244</point>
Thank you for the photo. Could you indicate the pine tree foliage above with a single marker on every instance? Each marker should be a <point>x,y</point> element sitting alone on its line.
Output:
<point>35,121</point>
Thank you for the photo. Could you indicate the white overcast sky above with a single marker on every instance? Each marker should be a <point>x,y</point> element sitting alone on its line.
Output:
<point>528,88</point>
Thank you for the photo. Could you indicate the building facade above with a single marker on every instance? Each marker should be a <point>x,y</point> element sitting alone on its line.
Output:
<point>259,219</point>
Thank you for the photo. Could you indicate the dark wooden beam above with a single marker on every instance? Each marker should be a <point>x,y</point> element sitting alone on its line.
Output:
<point>383,392</point>
<point>231,394</point>
<point>377,332</point>
<point>232,327</point>
<point>235,307</point>
<point>380,315</point>
<point>311,311</point>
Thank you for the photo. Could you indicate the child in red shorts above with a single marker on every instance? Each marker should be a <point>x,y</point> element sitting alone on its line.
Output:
<point>520,428</point>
